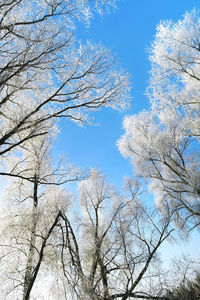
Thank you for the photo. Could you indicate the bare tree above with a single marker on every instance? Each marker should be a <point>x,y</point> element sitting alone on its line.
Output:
<point>183,281</point>
<point>163,143</point>
<point>45,73</point>
<point>29,234</point>
<point>115,245</point>
<point>106,251</point>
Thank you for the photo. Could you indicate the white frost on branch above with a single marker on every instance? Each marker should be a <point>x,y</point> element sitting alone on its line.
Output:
<point>163,142</point>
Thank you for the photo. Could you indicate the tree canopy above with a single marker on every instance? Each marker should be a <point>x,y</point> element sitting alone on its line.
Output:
<point>103,242</point>
<point>163,142</point>
<point>41,61</point>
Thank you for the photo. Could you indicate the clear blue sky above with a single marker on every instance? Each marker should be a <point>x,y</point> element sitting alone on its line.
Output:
<point>128,32</point>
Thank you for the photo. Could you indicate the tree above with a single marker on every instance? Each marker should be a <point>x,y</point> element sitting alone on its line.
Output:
<point>108,253</point>
<point>181,281</point>
<point>46,74</point>
<point>114,246</point>
<point>29,231</point>
<point>187,290</point>
<point>163,143</point>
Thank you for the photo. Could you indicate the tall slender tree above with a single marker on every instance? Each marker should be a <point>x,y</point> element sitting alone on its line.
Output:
<point>29,231</point>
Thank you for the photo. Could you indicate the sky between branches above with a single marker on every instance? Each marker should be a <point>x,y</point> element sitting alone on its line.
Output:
<point>128,32</point>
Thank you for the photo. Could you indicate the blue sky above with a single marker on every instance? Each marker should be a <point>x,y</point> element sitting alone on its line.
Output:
<point>128,32</point>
